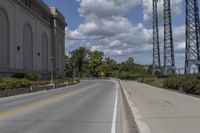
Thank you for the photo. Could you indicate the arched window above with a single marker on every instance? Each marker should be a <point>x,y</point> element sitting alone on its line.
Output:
<point>44,54</point>
<point>4,39</point>
<point>28,47</point>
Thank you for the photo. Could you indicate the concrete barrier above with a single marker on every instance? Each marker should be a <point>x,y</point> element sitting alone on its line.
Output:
<point>128,111</point>
<point>41,88</point>
<point>60,85</point>
<point>11,92</point>
<point>32,89</point>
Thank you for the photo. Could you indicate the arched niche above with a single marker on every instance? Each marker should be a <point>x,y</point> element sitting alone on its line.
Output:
<point>44,52</point>
<point>60,55</point>
<point>4,39</point>
<point>27,47</point>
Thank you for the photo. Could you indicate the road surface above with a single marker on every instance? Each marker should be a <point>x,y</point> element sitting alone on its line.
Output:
<point>90,107</point>
<point>163,111</point>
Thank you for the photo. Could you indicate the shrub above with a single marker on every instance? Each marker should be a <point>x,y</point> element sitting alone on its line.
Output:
<point>135,76</point>
<point>78,80</point>
<point>12,83</point>
<point>158,82</point>
<point>129,76</point>
<point>198,76</point>
<point>141,80</point>
<point>169,83</point>
<point>3,86</point>
<point>185,83</point>
<point>197,89</point>
<point>189,86</point>
<point>69,79</point>
<point>62,80</point>
<point>175,83</point>
<point>149,80</point>
<point>115,74</point>
<point>32,77</point>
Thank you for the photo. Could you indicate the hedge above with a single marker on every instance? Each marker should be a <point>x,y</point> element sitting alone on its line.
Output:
<point>129,76</point>
<point>186,83</point>
<point>158,82</point>
<point>11,83</point>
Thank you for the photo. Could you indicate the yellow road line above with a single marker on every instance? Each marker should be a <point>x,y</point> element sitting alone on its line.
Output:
<point>47,100</point>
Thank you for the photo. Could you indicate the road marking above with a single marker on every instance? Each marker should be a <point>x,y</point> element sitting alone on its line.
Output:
<point>44,101</point>
<point>114,121</point>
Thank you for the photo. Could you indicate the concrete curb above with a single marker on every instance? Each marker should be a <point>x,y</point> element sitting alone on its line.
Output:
<point>32,89</point>
<point>132,127</point>
<point>135,119</point>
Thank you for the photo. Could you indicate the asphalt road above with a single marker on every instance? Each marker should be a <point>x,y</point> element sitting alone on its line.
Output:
<point>163,111</point>
<point>90,107</point>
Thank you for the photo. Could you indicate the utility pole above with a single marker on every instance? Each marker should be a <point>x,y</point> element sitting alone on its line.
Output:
<point>156,47</point>
<point>192,36</point>
<point>74,72</point>
<point>169,59</point>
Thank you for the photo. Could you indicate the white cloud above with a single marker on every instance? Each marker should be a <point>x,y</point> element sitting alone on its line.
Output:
<point>116,39</point>
<point>105,8</point>
<point>105,29</point>
<point>102,28</point>
<point>147,5</point>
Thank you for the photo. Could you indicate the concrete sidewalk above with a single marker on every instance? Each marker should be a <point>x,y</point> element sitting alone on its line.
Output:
<point>161,111</point>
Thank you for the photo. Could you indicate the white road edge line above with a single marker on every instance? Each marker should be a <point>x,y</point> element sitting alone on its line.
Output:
<point>114,120</point>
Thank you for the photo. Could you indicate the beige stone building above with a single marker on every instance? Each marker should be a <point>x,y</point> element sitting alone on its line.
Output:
<point>30,34</point>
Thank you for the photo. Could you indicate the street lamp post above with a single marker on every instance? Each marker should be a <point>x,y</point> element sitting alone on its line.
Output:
<point>52,82</point>
<point>74,73</point>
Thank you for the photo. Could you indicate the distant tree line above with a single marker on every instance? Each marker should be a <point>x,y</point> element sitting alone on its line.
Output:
<point>88,63</point>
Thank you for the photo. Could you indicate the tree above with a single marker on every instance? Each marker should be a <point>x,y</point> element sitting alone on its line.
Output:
<point>68,67</point>
<point>79,57</point>
<point>127,65</point>
<point>110,66</point>
<point>94,62</point>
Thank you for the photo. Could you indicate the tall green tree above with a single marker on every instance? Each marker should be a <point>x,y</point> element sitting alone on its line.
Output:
<point>93,64</point>
<point>79,56</point>
<point>68,67</point>
<point>127,65</point>
<point>95,59</point>
<point>109,66</point>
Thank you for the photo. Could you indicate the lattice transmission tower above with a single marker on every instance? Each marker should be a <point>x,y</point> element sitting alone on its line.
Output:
<point>169,59</point>
<point>192,36</point>
<point>156,47</point>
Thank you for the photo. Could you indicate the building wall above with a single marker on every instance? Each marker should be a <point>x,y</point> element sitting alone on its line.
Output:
<point>39,28</point>
<point>7,8</point>
<point>38,33</point>
<point>59,51</point>
<point>4,39</point>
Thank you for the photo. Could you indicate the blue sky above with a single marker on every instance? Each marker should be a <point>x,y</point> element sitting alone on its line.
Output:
<point>120,28</point>
<point>69,8</point>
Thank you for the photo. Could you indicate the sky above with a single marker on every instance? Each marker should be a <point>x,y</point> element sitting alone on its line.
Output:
<point>120,28</point>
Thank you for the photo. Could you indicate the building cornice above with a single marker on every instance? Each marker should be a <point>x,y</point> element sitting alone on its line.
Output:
<point>40,9</point>
<point>32,11</point>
